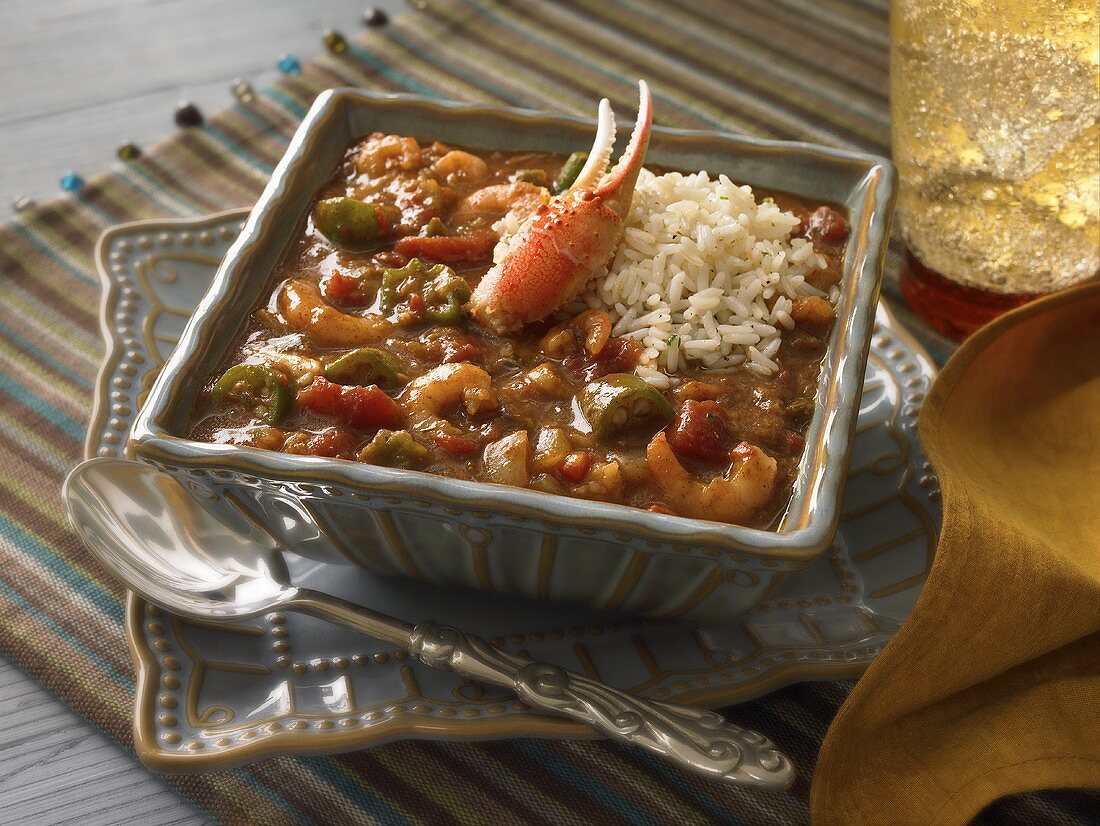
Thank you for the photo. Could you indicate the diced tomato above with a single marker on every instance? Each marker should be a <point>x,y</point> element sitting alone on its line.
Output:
<point>458,445</point>
<point>416,304</point>
<point>321,396</point>
<point>370,407</point>
<point>826,226</point>
<point>339,287</point>
<point>449,249</point>
<point>700,431</point>
<point>447,346</point>
<point>574,467</point>
<point>358,406</point>
<point>619,355</point>
<point>793,442</point>
<point>330,442</point>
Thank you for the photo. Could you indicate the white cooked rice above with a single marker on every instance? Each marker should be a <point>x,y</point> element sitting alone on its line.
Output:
<point>704,276</point>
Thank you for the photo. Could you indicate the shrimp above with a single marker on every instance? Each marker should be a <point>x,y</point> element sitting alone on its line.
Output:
<point>566,243</point>
<point>592,328</point>
<point>300,368</point>
<point>548,382</point>
<point>595,327</point>
<point>457,165</point>
<point>519,197</point>
<point>604,481</point>
<point>382,151</point>
<point>430,397</point>
<point>305,311</point>
<point>811,311</point>
<point>735,497</point>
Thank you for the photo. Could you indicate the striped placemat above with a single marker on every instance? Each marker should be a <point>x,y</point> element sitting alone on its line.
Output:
<point>806,69</point>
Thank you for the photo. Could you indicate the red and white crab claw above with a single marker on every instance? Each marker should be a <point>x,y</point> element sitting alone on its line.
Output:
<point>567,242</point>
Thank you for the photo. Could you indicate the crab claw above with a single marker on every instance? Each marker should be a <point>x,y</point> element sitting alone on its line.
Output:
<point>567,242</point>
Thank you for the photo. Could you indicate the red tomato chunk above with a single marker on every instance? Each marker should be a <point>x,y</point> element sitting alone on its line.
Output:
<point>700,431</point>
<point>575,466</point>
<point>457,445</point>
<point>332,441</point>
<point>340,287</point>
<point>358,406</point>
<point>827,226</point>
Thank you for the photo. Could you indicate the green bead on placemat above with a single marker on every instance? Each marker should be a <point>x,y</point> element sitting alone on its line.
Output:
<point>334,41</point>
<point>128,151</point>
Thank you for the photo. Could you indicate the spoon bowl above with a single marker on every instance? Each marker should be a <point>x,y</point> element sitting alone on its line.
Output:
<point>169,548</point>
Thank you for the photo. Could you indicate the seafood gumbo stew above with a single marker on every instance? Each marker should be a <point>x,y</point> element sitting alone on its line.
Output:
<point>615,333</point>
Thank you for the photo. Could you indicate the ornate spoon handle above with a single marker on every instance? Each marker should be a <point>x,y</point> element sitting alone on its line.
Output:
<point>697,740</point>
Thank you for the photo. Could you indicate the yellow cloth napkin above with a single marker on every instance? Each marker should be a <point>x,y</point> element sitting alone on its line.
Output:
<point>992,685</point>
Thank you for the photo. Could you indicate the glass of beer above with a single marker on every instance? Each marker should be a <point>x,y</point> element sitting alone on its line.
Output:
<point>994,107</point>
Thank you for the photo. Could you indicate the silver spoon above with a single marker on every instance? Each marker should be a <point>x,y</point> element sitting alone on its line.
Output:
<point>162,543</point>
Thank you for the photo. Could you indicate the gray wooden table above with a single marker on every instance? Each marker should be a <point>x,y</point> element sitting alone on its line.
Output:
<point>78,78</point>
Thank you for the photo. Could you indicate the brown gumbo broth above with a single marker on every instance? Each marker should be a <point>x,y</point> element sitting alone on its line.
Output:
<point>365,352</point>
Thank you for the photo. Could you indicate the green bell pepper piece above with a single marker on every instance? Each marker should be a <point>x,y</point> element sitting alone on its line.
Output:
<point>269,321</point>
<point>264,392</point>
<point>446,303</point>
<point>619,401</point>
<point>443,292</point>
<point>354,224</point>
<point>538,177</point>
<point>569,172</point>
<point>364,366</point>
<point>437,228</point>
<point>395,448</point>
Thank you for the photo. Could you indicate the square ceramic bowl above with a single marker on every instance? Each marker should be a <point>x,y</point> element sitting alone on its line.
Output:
<point>493,537</point>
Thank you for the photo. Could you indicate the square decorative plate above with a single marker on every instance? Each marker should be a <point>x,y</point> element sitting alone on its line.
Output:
<point>216,695</point>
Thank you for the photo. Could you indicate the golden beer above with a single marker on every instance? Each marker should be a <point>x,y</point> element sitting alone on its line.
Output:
<point>994,108</point>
